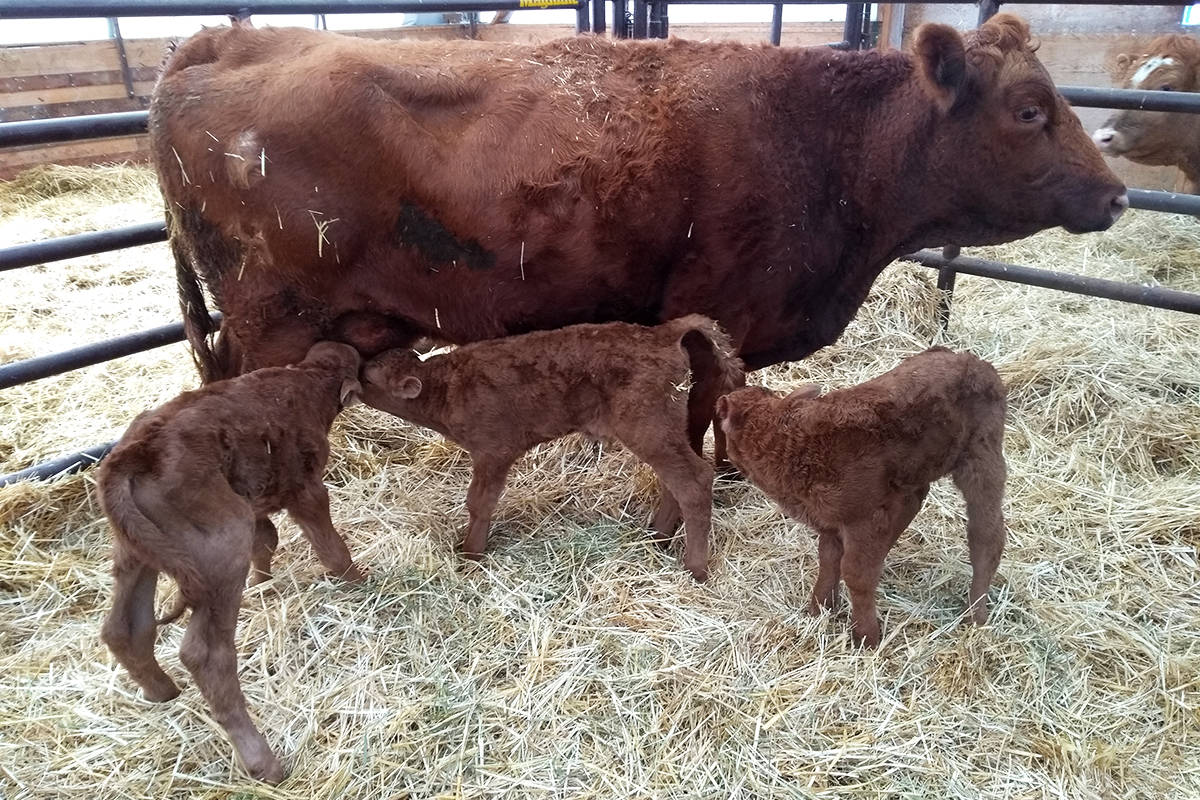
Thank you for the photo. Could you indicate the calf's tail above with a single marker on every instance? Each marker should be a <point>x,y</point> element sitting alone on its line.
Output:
<point>715,370</point>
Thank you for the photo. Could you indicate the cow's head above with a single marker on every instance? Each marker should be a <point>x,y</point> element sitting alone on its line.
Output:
<point>1155,137</point>
<point>341,360</point>
<point>1006,143</point>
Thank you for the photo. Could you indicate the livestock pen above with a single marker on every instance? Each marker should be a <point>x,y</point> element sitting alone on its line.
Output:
<point>577,660</point>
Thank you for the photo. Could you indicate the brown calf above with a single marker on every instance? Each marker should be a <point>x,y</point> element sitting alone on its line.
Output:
<point>856,465</point>
<point>652,389</point>
<point>188,490</point>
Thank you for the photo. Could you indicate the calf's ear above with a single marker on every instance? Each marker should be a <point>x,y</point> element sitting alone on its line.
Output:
<point>1123,61</point>
<point>351,393</point>
<point>721,410</point>
<point>409,387</point>
<point>805,391</point>
<point>941,63</point>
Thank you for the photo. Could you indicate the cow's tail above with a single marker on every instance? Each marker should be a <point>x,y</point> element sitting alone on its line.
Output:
<point>715,370</point>
<point>139,537</point>
<point>198,324</point>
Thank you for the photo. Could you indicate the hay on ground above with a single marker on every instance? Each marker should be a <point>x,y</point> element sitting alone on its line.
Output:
<point>577,660</point>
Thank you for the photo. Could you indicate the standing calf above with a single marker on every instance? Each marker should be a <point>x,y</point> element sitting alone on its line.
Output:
<point>652,389</point>
<point>188,490</point>
<point>856,465</point>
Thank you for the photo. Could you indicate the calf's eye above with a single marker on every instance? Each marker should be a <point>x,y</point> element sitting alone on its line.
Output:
<point>1166,87</point>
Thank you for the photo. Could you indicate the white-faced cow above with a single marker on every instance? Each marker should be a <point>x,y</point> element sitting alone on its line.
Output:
<point>1159,138</point>
<point>325,186</point>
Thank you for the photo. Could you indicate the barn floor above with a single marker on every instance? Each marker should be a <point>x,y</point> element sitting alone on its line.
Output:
<point>577,660</point>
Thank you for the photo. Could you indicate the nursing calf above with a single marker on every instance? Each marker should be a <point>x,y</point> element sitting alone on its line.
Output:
<point>652,389</point>
<point>188,490</point>
<point>856,465</point>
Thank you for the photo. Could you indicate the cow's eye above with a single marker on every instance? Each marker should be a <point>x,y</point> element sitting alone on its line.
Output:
<point>1166,87</point>
<point>1029,114</point>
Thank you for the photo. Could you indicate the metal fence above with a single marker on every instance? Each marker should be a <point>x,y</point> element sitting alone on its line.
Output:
<point>653,12</point>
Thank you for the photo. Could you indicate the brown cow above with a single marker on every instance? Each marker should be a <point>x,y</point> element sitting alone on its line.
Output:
<point>1159,138</point>
<point>856,465</point>
<point>652,389</point>
<point>188,490</point>
<point>327,186</point>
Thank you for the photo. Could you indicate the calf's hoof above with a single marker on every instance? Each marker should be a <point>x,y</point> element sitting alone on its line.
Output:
<point>268,770</point>
<point>699,572</point>
<point>353,574</point>
<point>161,693</point>
<point>869,639</point>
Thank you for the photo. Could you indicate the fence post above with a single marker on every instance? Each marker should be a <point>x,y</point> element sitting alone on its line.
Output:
<point>776,24</point>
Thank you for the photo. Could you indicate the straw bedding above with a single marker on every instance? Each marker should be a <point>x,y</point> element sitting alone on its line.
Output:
<point>576,660</point>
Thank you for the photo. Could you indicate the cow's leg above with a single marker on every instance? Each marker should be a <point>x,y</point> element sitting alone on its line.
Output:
<point>266,539</point>
<point>209,653</point>
<point>981,480</point>
<point>489,474</point>
<point>129,630</point>
<point>310,509</point>
<point>829,571</point>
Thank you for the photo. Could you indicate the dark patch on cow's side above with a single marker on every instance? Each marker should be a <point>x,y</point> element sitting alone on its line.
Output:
<point>415,228</point>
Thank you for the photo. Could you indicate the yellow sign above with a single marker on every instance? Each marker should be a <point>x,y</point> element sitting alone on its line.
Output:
<point>548,3</point>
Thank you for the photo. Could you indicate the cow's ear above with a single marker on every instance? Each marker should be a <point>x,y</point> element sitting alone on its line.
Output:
<point>942,63</point>
<point>725,412</point>
<point>409,388</point>
<point>1123,61</point>
<point>351,393</point>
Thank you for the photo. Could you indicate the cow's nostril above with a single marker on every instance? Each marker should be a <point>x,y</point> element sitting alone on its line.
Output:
<point>1118,205</point>
<point>1104,136</point>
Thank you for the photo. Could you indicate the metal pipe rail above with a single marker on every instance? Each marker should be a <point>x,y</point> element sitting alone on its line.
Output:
<point>1154,296</point>
<point>34,369</point>
<point>49,9</point>
<point>81,244</point>
<point>63,465</point>
<point>1137,99</point>
<point>69,129</point>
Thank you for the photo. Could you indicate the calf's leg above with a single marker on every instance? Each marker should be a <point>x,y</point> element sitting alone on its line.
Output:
<point>829,571</point>
<point>266,539</point>
<point>209,653</point>
<point>489,471</point>
<point>981,480</point>
<point>310,509</point>
<point>129,630</point>
<point>688,479</point>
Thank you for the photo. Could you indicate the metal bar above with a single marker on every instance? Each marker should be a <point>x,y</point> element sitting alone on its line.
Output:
<point>1154,296</point>
<point>114,33</point>
<point>1171,202</point>
<point>945,282</point>
<point>639,19</point>
<point>776,24</point>
<point>598,16</point>
<point>620,27</point>
<point>852,30</point>
<point>988,9</point>
<point>81,244</point>
<point>583,17</point>
<point>1138,99</point>
<point>34,369</point>
<point>46,9</point>
<point>68,129</point>
<point>58,467</point>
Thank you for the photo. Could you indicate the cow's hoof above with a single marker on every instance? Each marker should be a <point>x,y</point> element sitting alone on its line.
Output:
<point>270,770</point>
<point>161,694</point>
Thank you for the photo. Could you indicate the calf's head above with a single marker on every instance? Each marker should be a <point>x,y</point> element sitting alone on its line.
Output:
<point>1005,144</point>
<point>338,359</point>
<point>390,380</point>
<point>1155,137</point>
